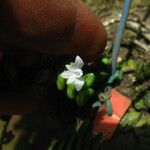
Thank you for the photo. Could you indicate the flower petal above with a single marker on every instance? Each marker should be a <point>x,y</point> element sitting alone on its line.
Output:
<point>79,62</point>
<point>71,67</point>
<point>79,84</point>
<point>66,74</point>
<point>71,79</point>
<point>78,73</point>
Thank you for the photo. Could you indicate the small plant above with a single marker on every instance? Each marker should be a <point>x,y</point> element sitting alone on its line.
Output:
<point>143,103</point>
<point>128,65</point>
<point>77,85</point>
<point>142,71</point>
<point>74,73</point>
<point>105,100</point>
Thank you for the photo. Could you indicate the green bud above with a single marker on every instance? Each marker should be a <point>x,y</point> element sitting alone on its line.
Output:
<point>61,82</point>
<point>124,66</point>
<point>131,64</point>
<point>71,91</point>
<point>89,80</point>
<point>106,61</point>
<point>83,96</point>
<point>109,107</point>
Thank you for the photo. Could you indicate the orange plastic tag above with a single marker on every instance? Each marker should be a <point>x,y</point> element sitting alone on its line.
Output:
<point>107,124</point>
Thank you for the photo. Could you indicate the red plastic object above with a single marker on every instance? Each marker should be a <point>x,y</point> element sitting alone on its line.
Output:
<point>107,124</point>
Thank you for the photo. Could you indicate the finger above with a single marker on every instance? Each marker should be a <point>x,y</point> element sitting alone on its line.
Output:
<point>39,25</point>
<point>55,27</point>
<point>89,39</point>
<point>12,104</point>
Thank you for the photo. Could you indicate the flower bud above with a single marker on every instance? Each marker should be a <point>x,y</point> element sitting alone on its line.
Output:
<point>61,82</point>
<point>83,96</point>
<point>89,79</point>
<point>71,91</point>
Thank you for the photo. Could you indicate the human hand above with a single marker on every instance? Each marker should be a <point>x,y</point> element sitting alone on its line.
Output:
<point>54,27</point>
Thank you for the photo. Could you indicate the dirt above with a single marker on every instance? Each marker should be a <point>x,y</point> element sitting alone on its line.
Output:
<point>129,85</point>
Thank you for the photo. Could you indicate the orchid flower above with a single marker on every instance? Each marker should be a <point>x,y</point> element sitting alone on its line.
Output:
<point>74,73</point>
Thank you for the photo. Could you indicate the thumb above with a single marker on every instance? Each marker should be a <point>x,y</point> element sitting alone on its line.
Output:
<point>89,38</point>
<point>57,27</point>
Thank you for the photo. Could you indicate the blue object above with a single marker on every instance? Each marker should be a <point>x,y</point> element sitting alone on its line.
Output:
<point>119,34</point>
<point>114,76</point>
<point>96,104</point>
<point>115,51</point>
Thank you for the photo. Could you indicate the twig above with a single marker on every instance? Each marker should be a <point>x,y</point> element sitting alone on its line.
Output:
<point>141,45</point>
<point>133,24</point>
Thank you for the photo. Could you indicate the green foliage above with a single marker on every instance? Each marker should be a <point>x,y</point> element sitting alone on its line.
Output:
<point>90,91</point>
<point>128,65</point>
<point>104,98</point>
<point>71,91</point>
<point>139,105</point>
<point>129,120</point>
<point>61,83</point>
<point>89,80</point>
<point>142,122</point>
<point>83,96</point>
<point>143,103</point>
<point>106,60</point>
<point>142,71</point>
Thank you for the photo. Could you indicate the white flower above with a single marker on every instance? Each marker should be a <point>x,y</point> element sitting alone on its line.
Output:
<point>74,73</point>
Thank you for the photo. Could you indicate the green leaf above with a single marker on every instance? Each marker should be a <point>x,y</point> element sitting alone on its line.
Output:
<point>106,61</point>
<point>131,64</point>
<point>109,107</point>
<point>141,123</point>
<point>130,119</point>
